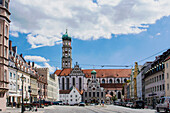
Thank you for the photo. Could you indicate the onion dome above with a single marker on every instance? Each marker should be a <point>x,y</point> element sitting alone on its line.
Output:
<point>93,72</point>
<point>66,37</point>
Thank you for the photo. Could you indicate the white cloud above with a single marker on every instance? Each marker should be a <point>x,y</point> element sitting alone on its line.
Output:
<point>46,65</point>
<point>158,34</point>
<point>46,21</point>
<point>36,58</point>
<point>14,34</point>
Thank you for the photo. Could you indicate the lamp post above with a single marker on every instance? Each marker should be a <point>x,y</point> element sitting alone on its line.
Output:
<point>22,108</point>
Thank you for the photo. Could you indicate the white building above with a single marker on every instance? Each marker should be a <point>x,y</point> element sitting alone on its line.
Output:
<point>52,88</point>
<point>71,96</point>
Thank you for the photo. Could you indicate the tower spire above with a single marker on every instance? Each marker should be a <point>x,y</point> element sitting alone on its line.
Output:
<point>66,30</point>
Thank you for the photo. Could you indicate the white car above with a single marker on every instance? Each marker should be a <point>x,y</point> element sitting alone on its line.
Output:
<point>163,104</point>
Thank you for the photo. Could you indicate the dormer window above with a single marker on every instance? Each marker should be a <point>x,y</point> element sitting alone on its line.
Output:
<point>6,4</point>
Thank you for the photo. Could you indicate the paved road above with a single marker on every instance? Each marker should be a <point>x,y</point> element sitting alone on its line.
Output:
<point>95,109</point>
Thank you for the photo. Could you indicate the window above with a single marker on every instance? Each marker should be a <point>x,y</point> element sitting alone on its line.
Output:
<point>1,2</point>
<point>101,94</point>
<point>89,94</point>
<point>70,95</point>
<point>162,76</point>
<point>167,65</point>
<point>14,75</point>
<point>85,94</point>
<point>103,81</point>
<point>5,41</point>
<point>110,81</point>
<point>159,77</point>
<point>94,94</point>
<point>25,88</point>
<point>167,75</point>
<point>70,99</point>
<point>163,87</point>
<point>28,80</point>
<point>6,4</point>
<point>10,75</point>
<point>6,30</point>
<point>97,94</point>
<point>168,86</point>
<point>75,95</point>
<point>160,88</point>
<point>5,52</point>
<point>5,75</point>
<point>18,87</point>
<point>76,100</point>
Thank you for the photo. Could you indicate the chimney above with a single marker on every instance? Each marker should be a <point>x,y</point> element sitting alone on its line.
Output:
<point>10,45</point>
<point>15,49</point>
<point>32,64</point>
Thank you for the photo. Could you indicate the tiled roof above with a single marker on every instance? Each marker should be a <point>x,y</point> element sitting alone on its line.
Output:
<point>167,58</point>
<point>64,91</point>
<point>101,73</point>
<point>106,73</point>
<point>63,72</point>
<point>111,85</point>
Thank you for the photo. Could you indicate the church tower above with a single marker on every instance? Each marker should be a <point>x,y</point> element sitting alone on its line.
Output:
<point>4,39</point>
<point>66,51</point>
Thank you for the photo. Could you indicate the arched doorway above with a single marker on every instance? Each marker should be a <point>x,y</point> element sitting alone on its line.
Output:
<point>119,95</point>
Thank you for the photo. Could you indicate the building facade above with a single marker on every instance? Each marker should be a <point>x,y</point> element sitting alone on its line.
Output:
<point>52,88</point>
<point>42,82</point>
<point>4,39</point>
<point>94,93</point>
<point>167,76</point>
<point>155,79</point>
<point>71,96</point>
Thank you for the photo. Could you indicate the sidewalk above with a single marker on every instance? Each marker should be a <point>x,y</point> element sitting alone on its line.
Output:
<point>18,110</point>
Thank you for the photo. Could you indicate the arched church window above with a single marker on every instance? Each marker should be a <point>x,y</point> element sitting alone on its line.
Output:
<point>125,80</point>
<point>118,81</point>
<point>80,87</point>
<point>67,83</point>
<point>103,81</point>
<point>63,83</point>
<point>73,80</point>
<point>110,81</point>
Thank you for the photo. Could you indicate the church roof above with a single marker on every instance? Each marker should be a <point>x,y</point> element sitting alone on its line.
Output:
<point>106,73</point>
<point>101,73</point>
<point>63,72</point>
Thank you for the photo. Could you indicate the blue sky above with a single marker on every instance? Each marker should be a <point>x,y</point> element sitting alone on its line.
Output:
<point>113,40</point>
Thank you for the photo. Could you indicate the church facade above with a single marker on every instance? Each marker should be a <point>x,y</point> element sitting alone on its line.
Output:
<point>110,79</point>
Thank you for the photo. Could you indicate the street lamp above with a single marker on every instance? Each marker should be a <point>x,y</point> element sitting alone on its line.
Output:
<point>22,79</point>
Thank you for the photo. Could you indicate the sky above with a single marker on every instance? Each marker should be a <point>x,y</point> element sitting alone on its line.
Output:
<point>104,32</point>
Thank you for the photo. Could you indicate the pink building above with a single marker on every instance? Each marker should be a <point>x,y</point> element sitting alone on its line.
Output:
<point>4,39</point>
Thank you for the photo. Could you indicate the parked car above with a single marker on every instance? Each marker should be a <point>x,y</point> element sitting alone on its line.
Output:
<point>139,104</point>
<point>163,104</point>
<point>116,103</point>
<point>124,104</point>
<point>129,104</point>
<point>81,104</point>
<point>58,103</point>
